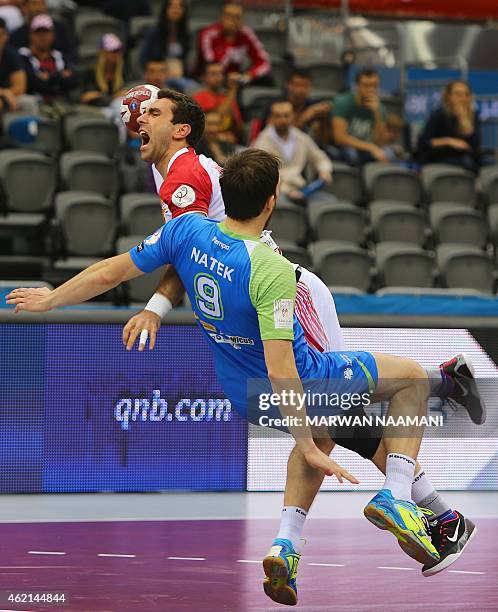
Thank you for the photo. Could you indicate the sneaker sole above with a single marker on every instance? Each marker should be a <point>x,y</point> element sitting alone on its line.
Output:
<point>408,541</point>
<point>450,559</point>
<point>275,584</point>
<point>477,419</point>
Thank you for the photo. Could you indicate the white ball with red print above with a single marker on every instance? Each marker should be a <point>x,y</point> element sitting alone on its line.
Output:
<point>135,103</point>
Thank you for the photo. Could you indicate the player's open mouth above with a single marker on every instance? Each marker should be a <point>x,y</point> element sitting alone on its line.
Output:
<point>144,137</point>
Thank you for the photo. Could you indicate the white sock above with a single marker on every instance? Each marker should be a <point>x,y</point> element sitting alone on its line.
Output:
<point>399,475</point>
<point>421,487</point>
<point>426,496</point>
<point>291,525</point>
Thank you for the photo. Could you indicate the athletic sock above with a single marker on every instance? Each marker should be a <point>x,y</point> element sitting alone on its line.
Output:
<point>440,383</point>
<point>399,475</point>
<point>425,496</point>
<point>291,525</point>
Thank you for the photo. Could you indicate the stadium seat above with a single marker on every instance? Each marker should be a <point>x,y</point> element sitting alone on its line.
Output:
<point>274,41</point>
<point>404,265</point>
<point>29,180</point>
<point>337,221</point>
<point>139,26</point>
<point>83,171</point>
<point>465,266</point>
<point>392,221</point>
<point>139,289</point>
<point>457,223</point>
<point>493,222</point>
<point>95,134</point>
<point>340,263</point>
<point>346,184</point>
<point>295,254</point>
<point>87,222</point>
<point>90,27</point>
<point>327,76</point>
<point>87,56</point>
<point>489,184</point>
<point>280,69</point>
<point>47,132</point>
<point>252,97</point>
<point>383,181</point>
<point>289,223</point>
<point>207,11</point>
<point>140,213</point>
<point>443,183</point>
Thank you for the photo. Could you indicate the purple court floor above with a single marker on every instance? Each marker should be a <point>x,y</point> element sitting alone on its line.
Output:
<point>214,565</point>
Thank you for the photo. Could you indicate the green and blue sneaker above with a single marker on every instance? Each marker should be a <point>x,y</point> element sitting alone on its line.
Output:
<point>280,565</point>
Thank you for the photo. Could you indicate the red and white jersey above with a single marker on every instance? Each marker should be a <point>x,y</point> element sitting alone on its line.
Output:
<point>192,186</point>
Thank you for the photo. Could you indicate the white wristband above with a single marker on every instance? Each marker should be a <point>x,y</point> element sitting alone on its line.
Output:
<point>159,304</point>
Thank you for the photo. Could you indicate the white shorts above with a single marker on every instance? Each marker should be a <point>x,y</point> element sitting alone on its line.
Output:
<point>315,310</point>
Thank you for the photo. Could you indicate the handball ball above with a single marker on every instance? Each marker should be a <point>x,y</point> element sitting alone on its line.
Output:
<point>135,102</point>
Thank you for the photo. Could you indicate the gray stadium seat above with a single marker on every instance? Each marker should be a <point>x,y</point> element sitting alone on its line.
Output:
<point>87,222</point>
<point>327,76</point>
<point>48,138</point>
<point>29,180</point>
<point>258,96</point>
<point>289,223</point>
<point>139,26</point>
<point>337,221</point>
<point>274,41</point>
<point>87,56</point>
<point>94,134</point>
<point>391,181</point>
<point>465,266</point>
<point>404,265</point>
<point>443,183</point>
<point>397,222</point>
<point>280,71</point>
<point>206,11</point>
<point>139,289</point>
<point>489,184</point>
<point>493,222</point>
<point>90,27</point>
<point>295,254</point>
<point>82,171</point>
<point>346,184</point>
<point>341,263</point>
<point>140,213</point>
<point>458,224</point>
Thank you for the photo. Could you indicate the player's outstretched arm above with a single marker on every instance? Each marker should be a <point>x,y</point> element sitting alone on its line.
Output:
<point>285,381</point>
<point>147,322</point>
<point>89,283</point>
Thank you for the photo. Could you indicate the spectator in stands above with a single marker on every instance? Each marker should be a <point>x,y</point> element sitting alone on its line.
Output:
<point>106,80</point>
<point>11,14</point>
<point>358,124</point>
<point>452,132</point>
<point>294,148</point>
<point>234,45</point>
<point>394,138</point>
<point>212,144</point>
<point>170,37</point>
<point>306,112</point>
<point>169,73</point>
<point>156,73</point>
<point>12,74</point>
<point>63,41</point>
<point>49,73</point>
<point>214,96</point>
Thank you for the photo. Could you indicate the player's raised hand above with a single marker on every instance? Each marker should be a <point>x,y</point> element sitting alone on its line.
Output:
<point>319,460</point>
<point>30,299</point>
<point>144,324</point>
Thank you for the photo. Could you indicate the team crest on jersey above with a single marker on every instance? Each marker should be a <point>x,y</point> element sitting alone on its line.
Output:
<point>154,238</point>
<point>282,314</point>
<point>184,196</point>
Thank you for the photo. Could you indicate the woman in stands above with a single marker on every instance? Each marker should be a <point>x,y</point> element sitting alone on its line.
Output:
<point>452,132</point>
<point>170,38</point>
<point>106,80</point>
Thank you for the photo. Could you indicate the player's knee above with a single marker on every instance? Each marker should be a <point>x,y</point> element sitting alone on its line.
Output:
<point>416,376</point>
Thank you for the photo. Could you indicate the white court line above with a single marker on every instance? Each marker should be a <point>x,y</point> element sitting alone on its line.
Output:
<point>247,561</point>
<point>9,610</point>
<point>327,564</point>
<point>407,569</point>
<point>115,555</point>
<point>187,558</point>
<point>36,567</point>
<point>465,572</point>
<point>45,552</point>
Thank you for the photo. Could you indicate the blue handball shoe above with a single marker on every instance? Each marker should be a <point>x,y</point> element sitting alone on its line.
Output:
<point>280,565</point>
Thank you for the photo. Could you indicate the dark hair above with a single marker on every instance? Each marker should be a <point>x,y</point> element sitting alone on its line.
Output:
<point>279,101</point>
<point>3,24</point>
<point>162,30</point>
<point>247,181</point>
<point>208,64</point>
<point>302,73</point>
<point>365,72</point>
<point>186,110</point>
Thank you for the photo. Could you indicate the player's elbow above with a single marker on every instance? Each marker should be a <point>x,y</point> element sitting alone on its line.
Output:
<point>108,277</point>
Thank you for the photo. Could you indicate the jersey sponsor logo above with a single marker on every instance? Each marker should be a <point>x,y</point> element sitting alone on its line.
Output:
<point>236,341</point>
<point>220,244</point>
<point>154,237</point>
<point>184,196</point>
<point>140,247</point>
<point>283,314</point>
